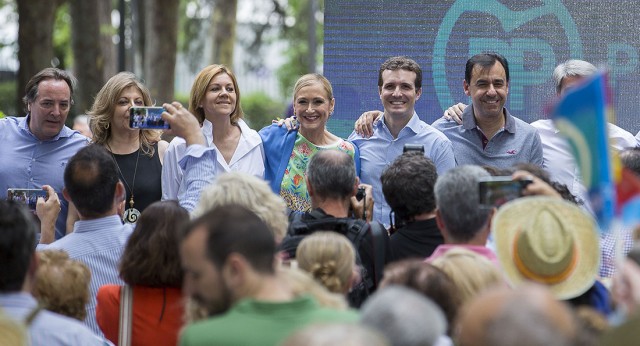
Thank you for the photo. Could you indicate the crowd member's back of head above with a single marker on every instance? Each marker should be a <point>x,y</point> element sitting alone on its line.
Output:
<point>404,316</point>
<point>62,284</point>
<point>302,283</point>
<point>471,273</point>
<point>330,258</point>
<point>430,281</point>
<point>543,175</point>
<point>151,257</point>
<point>16,245</point>
<point>90,180</point>
<point>528,316</point>
<point>458,201</point>
<point>250,192</point>
<point>630,158</point>
<point>407,185</point>
<point>331,174</point>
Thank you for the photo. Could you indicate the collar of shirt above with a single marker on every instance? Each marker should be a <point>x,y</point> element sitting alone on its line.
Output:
<point>64,133</point>
<point>469,120</point>
<point>247,134</point>
<point>17,299</point>
<point>100,224</point>
<point>413,125</point>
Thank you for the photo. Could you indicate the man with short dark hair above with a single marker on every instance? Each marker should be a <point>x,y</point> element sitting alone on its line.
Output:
<point>399,86</point>
<point>408,185</point>
<point>463,221</point>
<point>92,184</point>
<point>332,184</point>
<point>18,264</point>
<point>489,135</point>
<point>36,148</point>
<point>229,257</point>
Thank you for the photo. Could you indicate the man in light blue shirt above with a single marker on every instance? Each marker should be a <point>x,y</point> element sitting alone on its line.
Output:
<point>35,149</point>
<point>18,263</point>
<point>399,86</point>
<point>92,184</point>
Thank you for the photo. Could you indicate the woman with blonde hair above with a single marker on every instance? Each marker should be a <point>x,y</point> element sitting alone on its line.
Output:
<point>287,153</point>
<point>330,258</point>
<point>250,192</point>
<point>138,153</point>
<point>469,271</point>
<point>215,102</point>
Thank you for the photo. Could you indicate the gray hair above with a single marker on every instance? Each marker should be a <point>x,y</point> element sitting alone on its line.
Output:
<point>404,316</point>
<point>572,68</point>
<point>458,201</point>
<point>332,174</point>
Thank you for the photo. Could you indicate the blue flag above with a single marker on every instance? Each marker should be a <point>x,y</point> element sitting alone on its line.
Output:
<point>580,115</point>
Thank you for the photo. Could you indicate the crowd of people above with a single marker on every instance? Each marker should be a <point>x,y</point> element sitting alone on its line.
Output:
<point>291,235</point>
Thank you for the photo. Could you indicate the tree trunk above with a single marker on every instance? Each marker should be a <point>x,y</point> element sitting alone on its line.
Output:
<point>106,39</point>
<point>223,26</point>
<point>35,40</point>
<point>161,23</point>
<point>87,53</point>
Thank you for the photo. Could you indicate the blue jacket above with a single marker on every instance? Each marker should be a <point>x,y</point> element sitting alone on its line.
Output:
<point>278,145</point>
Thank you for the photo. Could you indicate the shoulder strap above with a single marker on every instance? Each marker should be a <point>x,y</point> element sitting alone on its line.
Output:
<point>126,310</point>
<point>378,233</point>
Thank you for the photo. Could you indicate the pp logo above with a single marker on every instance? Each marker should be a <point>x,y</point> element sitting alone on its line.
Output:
<point>492,26</point>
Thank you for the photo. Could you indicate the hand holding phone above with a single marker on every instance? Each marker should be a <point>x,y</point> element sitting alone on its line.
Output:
<point>147,118</point>
<point>28,197</point>
<point>496,191</point>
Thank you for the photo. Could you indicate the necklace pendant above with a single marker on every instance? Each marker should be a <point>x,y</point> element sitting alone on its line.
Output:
<point>131,215</point>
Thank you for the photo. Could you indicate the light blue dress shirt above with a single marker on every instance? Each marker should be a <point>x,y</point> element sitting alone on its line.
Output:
<point>47,328</point>
<point>381,149</point>
<point>28,163</point>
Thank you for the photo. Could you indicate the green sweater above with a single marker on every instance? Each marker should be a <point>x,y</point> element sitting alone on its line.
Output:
<point>251,322</point>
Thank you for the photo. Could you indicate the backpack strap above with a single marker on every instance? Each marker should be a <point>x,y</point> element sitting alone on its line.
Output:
<point>379,234</point>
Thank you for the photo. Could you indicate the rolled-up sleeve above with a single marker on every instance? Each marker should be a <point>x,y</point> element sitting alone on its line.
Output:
<point>199,169</point>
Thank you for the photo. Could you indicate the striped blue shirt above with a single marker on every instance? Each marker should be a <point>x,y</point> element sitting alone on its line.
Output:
<point>47,328</point>
<point>99,244</point>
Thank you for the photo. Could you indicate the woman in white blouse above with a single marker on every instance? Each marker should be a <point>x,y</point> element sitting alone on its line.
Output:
<point>215,101</point>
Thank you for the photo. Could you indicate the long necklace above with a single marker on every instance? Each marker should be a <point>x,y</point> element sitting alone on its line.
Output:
<point>131,214</point>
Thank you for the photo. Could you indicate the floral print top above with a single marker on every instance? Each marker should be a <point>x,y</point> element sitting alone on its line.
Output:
<point>294,188</point>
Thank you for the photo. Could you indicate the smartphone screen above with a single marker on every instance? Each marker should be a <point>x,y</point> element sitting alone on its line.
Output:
<point>496,191</point>
<point>147,118</point>
<point>26,196</point>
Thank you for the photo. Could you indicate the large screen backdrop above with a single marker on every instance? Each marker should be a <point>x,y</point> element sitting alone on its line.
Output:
<point>441,35</point>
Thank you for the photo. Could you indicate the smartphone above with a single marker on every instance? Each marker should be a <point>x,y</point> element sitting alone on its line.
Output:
<point>496,191</point>
<point>147,118</point>
<point>413,147</point>
<point>26,196</point>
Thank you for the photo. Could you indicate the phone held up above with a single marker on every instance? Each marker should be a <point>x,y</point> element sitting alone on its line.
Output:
<point>147,118</point>
<point>496,191</point>
<point>29,197</point>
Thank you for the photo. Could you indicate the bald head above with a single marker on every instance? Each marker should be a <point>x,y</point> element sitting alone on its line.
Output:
<point>530,316</point>
<point>331,174</point>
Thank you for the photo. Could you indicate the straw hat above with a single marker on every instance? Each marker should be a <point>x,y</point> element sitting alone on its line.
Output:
<point>549,241</point>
